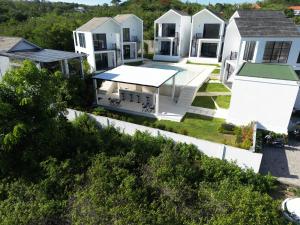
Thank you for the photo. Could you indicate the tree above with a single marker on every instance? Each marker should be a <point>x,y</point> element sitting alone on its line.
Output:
<point>115,2</point>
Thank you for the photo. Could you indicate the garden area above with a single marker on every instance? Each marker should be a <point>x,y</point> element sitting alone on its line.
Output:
<point>207,128</point>
<point>212,95</point>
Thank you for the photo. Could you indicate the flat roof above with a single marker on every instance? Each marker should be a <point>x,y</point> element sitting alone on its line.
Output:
<point>44,55</point>
<point>145,76</point>
<point>268,71</point>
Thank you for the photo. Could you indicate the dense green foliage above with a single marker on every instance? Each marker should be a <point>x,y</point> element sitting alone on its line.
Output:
<point>50,25</point>
<point>56,172</point>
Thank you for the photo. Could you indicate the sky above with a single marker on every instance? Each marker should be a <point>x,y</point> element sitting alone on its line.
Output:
<point>100,2</point>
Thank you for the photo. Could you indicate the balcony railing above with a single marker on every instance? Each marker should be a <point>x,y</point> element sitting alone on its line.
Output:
<point>200,36</point>
<point>232,56</point>
<point>132,39</point>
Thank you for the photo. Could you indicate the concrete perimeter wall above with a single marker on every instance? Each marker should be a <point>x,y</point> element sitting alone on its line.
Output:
<point>243,158</point>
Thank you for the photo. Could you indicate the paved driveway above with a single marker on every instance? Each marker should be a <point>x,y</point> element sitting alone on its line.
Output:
<point>283,163</point>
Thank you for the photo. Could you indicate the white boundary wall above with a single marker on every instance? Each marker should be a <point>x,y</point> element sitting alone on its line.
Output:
<point>243,158</point>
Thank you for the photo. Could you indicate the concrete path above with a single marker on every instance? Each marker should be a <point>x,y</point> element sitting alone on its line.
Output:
<point>283,163</point>
<point>219,113</point>
<point>213,93</point>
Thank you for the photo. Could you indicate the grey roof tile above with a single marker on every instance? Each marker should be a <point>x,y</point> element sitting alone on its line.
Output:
<point>93,24</point>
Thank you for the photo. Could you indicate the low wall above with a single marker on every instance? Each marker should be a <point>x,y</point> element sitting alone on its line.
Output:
<point>243,158</point>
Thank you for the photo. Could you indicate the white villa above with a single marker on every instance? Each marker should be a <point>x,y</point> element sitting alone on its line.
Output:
<point>265,93</point>
<point>259,37</point>
<point>131,38</point>
<point>207,36</point>
<point>14,50</point>
<point>171,36</point>
<point>100,39</point>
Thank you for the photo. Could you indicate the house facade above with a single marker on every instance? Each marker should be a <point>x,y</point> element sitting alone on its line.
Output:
<point>131,37</point>
<point>14,50</point>
<point>296,10</point>
<point>264,93</point>
<point>100,40</point>
<point>171,36</point>
<point>259,37</point>
<point>207,36</point>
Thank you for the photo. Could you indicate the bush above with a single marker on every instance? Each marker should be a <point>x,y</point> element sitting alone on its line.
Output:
<point>227,128</point>
<point>100,111</point>
<point>244,136</point>
<point>161,126</point>
<point>183,131</point>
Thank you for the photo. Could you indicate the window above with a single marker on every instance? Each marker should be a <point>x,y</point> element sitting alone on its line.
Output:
<point>81,40</point>
<point>101,61</point>
<point>298,60</point>
<point>75,38</point>
<point>211,30</point>
<point>277,51</point>
<point>249,50</point>
<point>209,50</point>
<point>99,41</point>
<point>168,29</point>
<point>126,34</point>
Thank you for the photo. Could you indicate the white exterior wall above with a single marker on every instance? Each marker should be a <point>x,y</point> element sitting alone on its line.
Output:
<point>136,29</point>
<point>183,28</point>
<point>113,35</point>
<point>185,32</point>
<point>206,17</point>
<point>4,65</point>
<point>267,101</point>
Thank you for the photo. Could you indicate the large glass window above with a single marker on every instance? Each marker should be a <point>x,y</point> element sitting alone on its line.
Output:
<point>81,40</point>
<point>126,34</point>
<point>277,51</point>
<point>99,42</point>
<point>209,50</point>
<point>165,48</point>
<point>101,61</point>
<point>298,60</point>
<point>211,30</point>
<point>168,29</point>
<point>249,50</point>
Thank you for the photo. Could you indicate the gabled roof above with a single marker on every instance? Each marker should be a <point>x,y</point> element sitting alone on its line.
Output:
<point>182,13</point>
<point>267,27</point>
<point>212,12</point>
<point>121,18</point>
<point>260,14</point>
<point>11,44</point>
<point>268,71</point>
<point>94,23</point>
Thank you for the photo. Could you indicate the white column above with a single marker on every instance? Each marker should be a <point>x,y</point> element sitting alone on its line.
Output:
<point>67,68</point>
<point>157,102</point>
<point>61,66</point>
<point>171,46</point>
<point>38,65</point>
<point>199,47</point>
<point>136,50</point>
<point>173,87</point>
<point>95,88</point>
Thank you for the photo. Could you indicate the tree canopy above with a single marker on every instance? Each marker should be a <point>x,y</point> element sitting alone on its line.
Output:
<point>53,171</point>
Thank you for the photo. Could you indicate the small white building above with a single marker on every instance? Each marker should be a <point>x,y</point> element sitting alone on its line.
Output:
<point>207,35</point>
<point>14,50</point>
<point>259,36</point>
<point>171,36</point>
<point>131,38</point>
<point>265,93</point>
<point>100,39</point>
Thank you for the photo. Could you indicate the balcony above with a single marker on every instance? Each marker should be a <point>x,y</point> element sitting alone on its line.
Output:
<point>132,39</point>
<point>232,56</point>
<point>206,36</point>
<point>111,47</point>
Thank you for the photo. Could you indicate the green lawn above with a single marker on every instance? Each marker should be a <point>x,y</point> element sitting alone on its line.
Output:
<point>213,87</point>
<point>204,101</point>
<point>216,71</point>
<point>192,125</point>
<point>223,101</point>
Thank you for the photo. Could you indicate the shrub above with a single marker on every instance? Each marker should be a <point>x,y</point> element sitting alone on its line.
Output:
<point>183,131</point>
<point>161,126</point>
<point>227,128</point>
<point>244,136</point>
<point>99,111</point>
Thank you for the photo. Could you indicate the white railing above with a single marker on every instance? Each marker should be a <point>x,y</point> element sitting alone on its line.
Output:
<point>243,158</point>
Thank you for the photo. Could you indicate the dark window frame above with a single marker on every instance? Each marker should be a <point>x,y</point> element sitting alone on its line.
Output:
<point>249,50</point>
<point>168,29</point>
<point>82,42</point>
<point>277,51</point>
<point>99,42</point>
<point>75,38</point>
<point>210,31</point>
<point>126,34</point>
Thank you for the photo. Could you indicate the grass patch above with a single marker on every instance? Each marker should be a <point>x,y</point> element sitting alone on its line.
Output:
<point>213,87</point>
<point>192,125</point>
<point>216,71</point>
<point>223,101</point>
<point>203,64</point>
<point>138,63</point>
<point>204,101</point>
